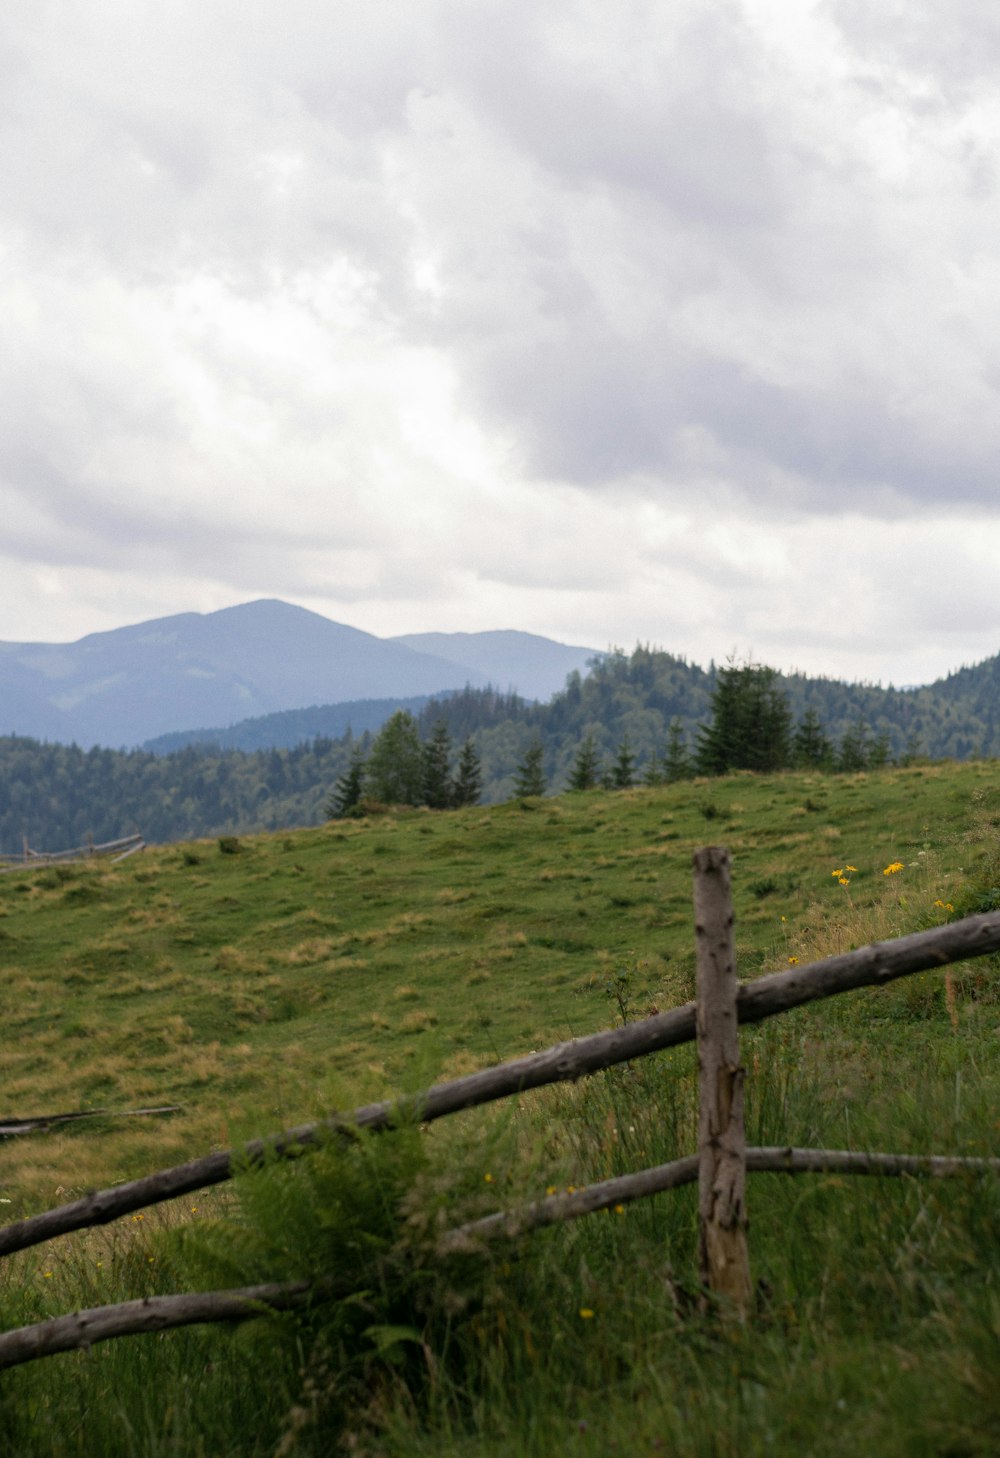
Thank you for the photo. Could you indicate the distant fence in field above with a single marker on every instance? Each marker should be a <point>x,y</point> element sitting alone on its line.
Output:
<point>720,1166</point>
<point>115,850</point>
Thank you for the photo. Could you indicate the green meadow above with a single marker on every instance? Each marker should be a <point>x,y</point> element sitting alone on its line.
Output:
<point>259,983</point>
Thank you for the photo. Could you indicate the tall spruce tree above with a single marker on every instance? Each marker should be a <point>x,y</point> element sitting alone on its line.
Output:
<point>855,747</point>
<point>349,788</point>
<point>811,749</point>
<point>880,753</point>
<point>653,773</point>
<point>751,722</point>
<point>583,775</point>
<point>468,784</point>
<point>623,768</point>
<point>436,756</point>
<point>677,761</point>
<point>529,777</point>
<point>395,770</point>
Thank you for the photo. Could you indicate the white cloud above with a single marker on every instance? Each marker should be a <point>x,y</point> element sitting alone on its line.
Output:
<point>618,323</point>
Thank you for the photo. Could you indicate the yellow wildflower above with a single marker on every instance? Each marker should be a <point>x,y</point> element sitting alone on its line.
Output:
<point>586,1314</point>
<point>892,868</point>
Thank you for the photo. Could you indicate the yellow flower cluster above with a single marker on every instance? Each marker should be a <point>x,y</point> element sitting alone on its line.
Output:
<point>892,868</point>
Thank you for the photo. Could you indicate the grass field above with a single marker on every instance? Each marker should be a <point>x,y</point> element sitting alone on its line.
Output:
<point>261,985</point>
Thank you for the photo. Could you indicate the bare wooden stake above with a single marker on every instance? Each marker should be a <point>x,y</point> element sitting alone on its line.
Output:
<point>722,1236</point>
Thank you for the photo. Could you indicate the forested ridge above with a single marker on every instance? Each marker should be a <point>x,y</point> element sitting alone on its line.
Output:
<point>57,795</point>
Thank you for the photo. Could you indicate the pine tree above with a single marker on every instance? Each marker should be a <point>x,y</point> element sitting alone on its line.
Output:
<point>751,722</point>
<point>811,749</point>
<point>349,788</point>
<point>677,762</point>
<point>910,749</point>
<point>529,778</point>
<point>654,773</point>
<point>436,757</point>
<point>395,771</point>
<point>583,775</point>
<point>623,769</point>
<point>854,748</point>
<point>468,784</point>
<point>880,753</point>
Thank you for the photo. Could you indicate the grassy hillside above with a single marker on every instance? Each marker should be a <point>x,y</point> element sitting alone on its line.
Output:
<point>259,985</point>
<point>380,951</point>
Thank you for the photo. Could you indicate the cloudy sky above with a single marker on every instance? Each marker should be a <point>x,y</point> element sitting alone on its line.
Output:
<point>613,322</point>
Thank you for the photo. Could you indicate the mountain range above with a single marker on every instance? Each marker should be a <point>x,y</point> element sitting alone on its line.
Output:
<point>131,685</point>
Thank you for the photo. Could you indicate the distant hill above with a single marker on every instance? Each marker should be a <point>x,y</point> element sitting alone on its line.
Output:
<point>521,663</point>
<point>126,686</point>
<point>132,685</point>
<point>504,658</point>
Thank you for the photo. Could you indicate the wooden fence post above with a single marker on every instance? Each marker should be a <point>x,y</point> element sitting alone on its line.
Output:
<point>724,1262</point>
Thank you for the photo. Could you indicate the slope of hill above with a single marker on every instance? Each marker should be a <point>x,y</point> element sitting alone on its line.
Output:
<point>291,727</point>
<point>294,942</point>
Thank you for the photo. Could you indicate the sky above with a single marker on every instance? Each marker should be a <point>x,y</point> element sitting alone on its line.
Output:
<point>672,324</point>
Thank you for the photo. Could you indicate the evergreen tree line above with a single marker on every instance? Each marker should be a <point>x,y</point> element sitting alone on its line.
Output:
<point>751,726</point>
<point>400,768</point>
<point>55,795</point>
<point>643,717</point>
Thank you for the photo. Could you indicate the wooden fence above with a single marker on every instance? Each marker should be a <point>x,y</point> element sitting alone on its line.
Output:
<point>116,850</point>
<point>720,1166</point>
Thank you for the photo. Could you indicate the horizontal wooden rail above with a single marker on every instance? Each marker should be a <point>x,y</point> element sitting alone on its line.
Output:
<point>762,1159</point>
<point>11,1128</point>
<point>161,1313</point>
<point>117,850</point>
<point>153,1313</point>
<point>765,997</point>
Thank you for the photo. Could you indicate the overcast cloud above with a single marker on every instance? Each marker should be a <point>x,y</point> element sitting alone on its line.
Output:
<point>609,322</point>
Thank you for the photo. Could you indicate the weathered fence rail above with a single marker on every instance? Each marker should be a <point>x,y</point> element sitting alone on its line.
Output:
<point>116,850</point>
<point>720,1166</point>
<point>164,1313</point>
<point>41,1123</point>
